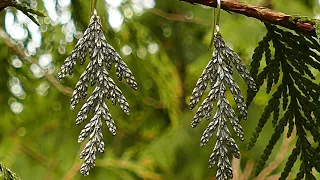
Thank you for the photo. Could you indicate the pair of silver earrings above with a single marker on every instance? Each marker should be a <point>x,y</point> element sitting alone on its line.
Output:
<point>218,72</point>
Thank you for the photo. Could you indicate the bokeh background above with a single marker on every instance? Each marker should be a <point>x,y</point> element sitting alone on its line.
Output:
<point>165,44</point>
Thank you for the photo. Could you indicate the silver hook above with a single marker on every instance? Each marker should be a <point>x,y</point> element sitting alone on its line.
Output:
<point>93,7</point>
<point>216,21</point>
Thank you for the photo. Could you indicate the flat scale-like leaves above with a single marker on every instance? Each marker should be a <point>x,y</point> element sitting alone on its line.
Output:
<point>219,73</point>
<point>291,70</point>
<point>102,56</point>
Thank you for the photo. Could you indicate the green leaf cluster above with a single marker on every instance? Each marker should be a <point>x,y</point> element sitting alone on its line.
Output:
<point>289,70</point>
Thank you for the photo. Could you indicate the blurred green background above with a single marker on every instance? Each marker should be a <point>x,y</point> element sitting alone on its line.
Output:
<point>165,44</point>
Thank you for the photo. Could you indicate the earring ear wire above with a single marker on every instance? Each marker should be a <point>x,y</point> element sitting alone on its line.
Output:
<point>216,21</point>
<point>93,7</point>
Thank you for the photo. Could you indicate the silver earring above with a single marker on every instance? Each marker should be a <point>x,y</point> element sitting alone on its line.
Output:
<point>219,73</point>
<point>102,56</point>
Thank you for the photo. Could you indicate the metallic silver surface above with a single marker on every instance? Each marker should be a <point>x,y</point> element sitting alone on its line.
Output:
<point>102,56</point>
<point>219,73</point>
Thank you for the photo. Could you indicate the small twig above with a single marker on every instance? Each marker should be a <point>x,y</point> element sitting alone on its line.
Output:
<point>49,164</point>
<point>238,174</point>
<point>264,175</point>
<point>35,155</point>
<point>154,103</point>
<point>136,168</point>
<point>282,154</point>
<point>72,172</point>
<point>179,17</point>
<point>6,3</point>
<point>75,168</point>
<point>236,168</point>
<point>247,171</point>
<point>23,8</point>
<point>65,90</point>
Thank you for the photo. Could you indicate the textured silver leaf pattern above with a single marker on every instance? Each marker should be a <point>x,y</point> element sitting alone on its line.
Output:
<point>219,73</point>
<point>102,56</point>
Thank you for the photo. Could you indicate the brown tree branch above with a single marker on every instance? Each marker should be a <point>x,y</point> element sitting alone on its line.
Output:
<point>6,3</point>
<point>72,172</point>
<point>282,154</point>
<point>263,14</point>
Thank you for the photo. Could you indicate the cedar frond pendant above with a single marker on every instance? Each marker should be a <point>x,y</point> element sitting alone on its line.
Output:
<point>102,56</point>
<point>219,73</point>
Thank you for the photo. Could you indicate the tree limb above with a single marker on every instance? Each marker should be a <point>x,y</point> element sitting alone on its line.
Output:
<point>6,3</point>
<point>23,8</point>
<point>304,25</point>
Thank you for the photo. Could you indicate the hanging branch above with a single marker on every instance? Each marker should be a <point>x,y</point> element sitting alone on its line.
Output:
<point>6,3</point>
<point>23,8</point>
<point>297,23</point>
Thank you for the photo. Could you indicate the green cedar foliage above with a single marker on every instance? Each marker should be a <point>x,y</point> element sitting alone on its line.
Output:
<point>289,70</point>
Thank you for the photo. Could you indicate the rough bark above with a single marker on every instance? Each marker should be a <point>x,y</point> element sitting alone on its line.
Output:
<point>263,14</point>
<point>6,3</point>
